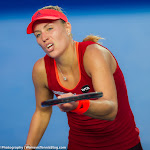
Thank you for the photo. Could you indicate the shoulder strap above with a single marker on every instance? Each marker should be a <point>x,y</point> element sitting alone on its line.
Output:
<point>49,66</point>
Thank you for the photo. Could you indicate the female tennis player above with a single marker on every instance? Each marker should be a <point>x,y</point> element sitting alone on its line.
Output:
<point>69,68</point>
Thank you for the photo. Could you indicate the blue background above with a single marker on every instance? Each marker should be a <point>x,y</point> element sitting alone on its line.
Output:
<point>125,27</point>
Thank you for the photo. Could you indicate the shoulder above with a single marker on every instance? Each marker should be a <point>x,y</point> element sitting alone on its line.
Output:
<point>39,72</point>
<point>100,57</point>
<point>39,66</point>
<point>94,50</point>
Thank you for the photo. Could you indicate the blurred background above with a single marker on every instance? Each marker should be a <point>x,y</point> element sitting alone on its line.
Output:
<point>125,27</point>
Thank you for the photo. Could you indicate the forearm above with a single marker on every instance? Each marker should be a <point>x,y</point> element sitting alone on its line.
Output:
<point>102,109</point>
<point>38,126</point>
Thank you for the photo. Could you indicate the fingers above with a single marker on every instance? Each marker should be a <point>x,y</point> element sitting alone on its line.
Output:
<point>65,95</point>
<point>66,107</point>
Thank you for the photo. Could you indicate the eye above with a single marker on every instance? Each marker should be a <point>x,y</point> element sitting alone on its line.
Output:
<point>37,35</point>
<point>49,29</point>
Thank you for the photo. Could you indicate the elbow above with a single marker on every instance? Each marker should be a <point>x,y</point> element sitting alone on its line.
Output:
<point>112,116</point>
<point>108,111</point>
<point>108,117</point>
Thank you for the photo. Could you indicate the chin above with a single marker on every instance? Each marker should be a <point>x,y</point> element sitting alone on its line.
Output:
<point>52,55</point>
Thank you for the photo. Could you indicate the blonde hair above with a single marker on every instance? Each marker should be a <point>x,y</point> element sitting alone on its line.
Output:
<point>92,38</point>
<point>52,7</point>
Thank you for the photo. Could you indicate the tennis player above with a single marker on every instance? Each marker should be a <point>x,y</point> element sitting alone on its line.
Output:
<point>71,67</point>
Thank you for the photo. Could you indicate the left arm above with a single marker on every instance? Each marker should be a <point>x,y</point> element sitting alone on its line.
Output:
<point>101,68</point>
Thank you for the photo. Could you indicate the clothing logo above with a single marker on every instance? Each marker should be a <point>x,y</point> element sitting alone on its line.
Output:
<point>85,89</point>
<point>38,14</point>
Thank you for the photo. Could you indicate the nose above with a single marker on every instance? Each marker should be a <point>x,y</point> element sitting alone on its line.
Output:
<point>44,37</point>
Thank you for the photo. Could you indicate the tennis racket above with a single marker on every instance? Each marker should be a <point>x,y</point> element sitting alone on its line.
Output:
<point>92,95</point>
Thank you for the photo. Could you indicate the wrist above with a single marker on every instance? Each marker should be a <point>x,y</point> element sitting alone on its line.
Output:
<point>82,107</point>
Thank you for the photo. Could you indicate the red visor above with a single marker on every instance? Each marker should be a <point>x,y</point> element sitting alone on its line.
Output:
<point>45,14</point>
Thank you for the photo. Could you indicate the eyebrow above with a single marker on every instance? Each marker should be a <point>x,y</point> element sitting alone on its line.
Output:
<point>43,27</point>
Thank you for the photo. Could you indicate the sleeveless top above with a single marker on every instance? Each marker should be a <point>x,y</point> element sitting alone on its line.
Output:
<point>85,132</point>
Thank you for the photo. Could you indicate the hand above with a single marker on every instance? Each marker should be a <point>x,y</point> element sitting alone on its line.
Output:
<point>66,107</point>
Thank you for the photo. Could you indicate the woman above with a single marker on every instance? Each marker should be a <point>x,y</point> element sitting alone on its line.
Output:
<point>67,68</point>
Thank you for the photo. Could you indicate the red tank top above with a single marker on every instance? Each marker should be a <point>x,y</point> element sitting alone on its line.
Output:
<point>85,132</point>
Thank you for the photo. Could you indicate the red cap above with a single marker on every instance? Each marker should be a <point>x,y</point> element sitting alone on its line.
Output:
<point>45,14</point>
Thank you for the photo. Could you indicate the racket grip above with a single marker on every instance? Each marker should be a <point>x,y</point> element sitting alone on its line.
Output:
<point>82,107</point>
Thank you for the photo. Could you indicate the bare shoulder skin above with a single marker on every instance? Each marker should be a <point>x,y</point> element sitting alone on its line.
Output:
<point>100,68</point>
<point>39,78</point>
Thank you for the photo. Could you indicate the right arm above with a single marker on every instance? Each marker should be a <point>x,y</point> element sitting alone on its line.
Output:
<point>41,116</point>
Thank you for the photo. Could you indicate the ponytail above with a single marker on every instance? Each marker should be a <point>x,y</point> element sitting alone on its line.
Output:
<point>92,38</point>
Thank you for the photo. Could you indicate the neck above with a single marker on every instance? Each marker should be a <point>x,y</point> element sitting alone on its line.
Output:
<point>65,61</point>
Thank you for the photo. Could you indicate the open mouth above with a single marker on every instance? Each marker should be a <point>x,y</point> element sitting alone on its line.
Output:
<point>49,46</point>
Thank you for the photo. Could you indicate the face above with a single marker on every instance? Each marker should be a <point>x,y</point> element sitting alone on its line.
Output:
<point>52,36</point>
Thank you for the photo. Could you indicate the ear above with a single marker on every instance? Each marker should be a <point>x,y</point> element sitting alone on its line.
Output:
<point>68,28</point>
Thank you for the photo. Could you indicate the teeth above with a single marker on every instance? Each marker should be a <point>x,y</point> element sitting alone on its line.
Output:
<point>49,45</point>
